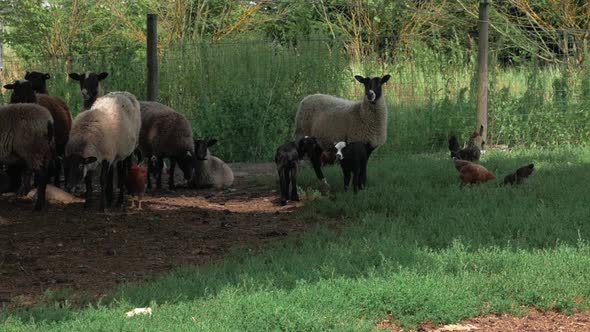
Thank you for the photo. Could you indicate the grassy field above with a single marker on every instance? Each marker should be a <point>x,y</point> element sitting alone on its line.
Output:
<point>415,245</point>
<point>246,92</point>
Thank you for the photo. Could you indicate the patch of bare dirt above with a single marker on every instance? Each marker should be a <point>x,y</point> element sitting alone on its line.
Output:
<point>69,247</point>
<point>534,320</point>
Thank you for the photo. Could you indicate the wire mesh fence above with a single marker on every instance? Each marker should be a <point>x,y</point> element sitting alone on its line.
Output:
<point>246,93</point>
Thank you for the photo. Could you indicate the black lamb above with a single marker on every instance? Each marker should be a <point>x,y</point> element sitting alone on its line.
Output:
<point>353,161</point>
<point>287,158</point>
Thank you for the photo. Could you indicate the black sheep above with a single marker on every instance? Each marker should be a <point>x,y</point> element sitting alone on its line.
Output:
<point>287,158</point>
<point>353,161</point>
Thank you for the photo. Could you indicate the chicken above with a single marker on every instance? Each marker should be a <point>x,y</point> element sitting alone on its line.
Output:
<point>472,173</point>
<point>471,152</point>
<point>520,175</point>
<point>136,183</point>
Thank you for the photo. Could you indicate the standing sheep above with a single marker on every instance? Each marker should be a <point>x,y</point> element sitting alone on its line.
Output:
<point>209,171</point>
<point>26,136</point>
<point>23,92</point>
<point>331,119</point>
<point>165,133</point>
<point>107,134</point>
<point>287,159</point>
<point>353,161</point>
<point>90,87</point>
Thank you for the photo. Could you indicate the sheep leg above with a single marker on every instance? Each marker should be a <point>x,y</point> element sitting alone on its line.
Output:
<point>110,192</point>
<point>283,184</point>
<point>104,179</point>
<point>25,186</point>
<point>317,166</point>
<point>363,179</point>
<point>15,175</point>
<point>171,176</point>
<point>346,175</point>
<point>56,172</point>
<point>150,171</point>
<point>123,171</point>
<point>139,198</point>
<point>294,195</point>
<point>88,180</point>
<point>159,169</point>
<point>41,176</point>
<point>356,179</point>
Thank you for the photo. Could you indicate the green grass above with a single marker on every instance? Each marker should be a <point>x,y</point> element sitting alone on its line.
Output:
<point>415,244</point>
<point>246,92</point>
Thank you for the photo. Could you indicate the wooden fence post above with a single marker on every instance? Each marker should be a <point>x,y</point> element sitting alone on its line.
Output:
<point>152,57</point>
<point>482,69</point>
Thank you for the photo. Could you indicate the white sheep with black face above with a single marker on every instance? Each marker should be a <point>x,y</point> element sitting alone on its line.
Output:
<point>209,171</point>
<point>332,119</point>
<point>105,135</point>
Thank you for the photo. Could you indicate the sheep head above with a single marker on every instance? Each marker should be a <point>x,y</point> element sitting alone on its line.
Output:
<point>22,92</point>
<point>78,167</point>
<point>202,148</point>
<point>373,86</point>
<point>89,83</point>
<point>185,162</point>
<point>307,145</point>
<point>38,80</point>
<point>339,147</point>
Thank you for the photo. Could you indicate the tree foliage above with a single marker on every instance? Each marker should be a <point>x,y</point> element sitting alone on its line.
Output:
<point>550,30</point>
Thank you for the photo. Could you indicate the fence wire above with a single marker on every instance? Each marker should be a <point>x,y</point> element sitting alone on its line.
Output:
<point>246,93</point>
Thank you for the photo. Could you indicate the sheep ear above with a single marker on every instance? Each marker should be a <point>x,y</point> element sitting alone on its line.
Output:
<point>385,78</point>
<point>102,76</point>
<point>9,86</point>
<point>75,76</point>
<point>360,78</point>
<point>47,76</point>
<point>211,142</point>
<point>89,160</point>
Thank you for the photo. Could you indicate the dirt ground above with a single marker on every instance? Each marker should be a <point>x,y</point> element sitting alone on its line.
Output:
<point>68,247</point>
<point>534,320</point>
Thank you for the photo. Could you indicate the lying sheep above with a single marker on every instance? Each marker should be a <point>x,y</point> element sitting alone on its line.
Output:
<point>90,87</point>
<point>331,119</point>
<point>165,133</point>
<point>353,161</point>
<point>26,135</point>
<point>209,171</point>
<point>287,159</point>
<point>107,134</point>
<point>23,92</point>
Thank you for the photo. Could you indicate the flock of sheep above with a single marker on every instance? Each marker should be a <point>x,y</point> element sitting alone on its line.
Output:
<point>37,134</point>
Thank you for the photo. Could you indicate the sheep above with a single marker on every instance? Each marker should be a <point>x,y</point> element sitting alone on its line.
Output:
<point>165,133</point>
<point>26,136</point>
<point>90,87</point>
<point>287,158</point>
<point>38,80</point>
<point>209,171</point>
<point>353,160</point>
<point>23,92</point>
<point>107,134</point>
<point>331,119</point>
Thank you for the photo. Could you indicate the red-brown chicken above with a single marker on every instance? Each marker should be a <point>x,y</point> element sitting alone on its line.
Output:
<point>136,183</point>
<point>472,173</point>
